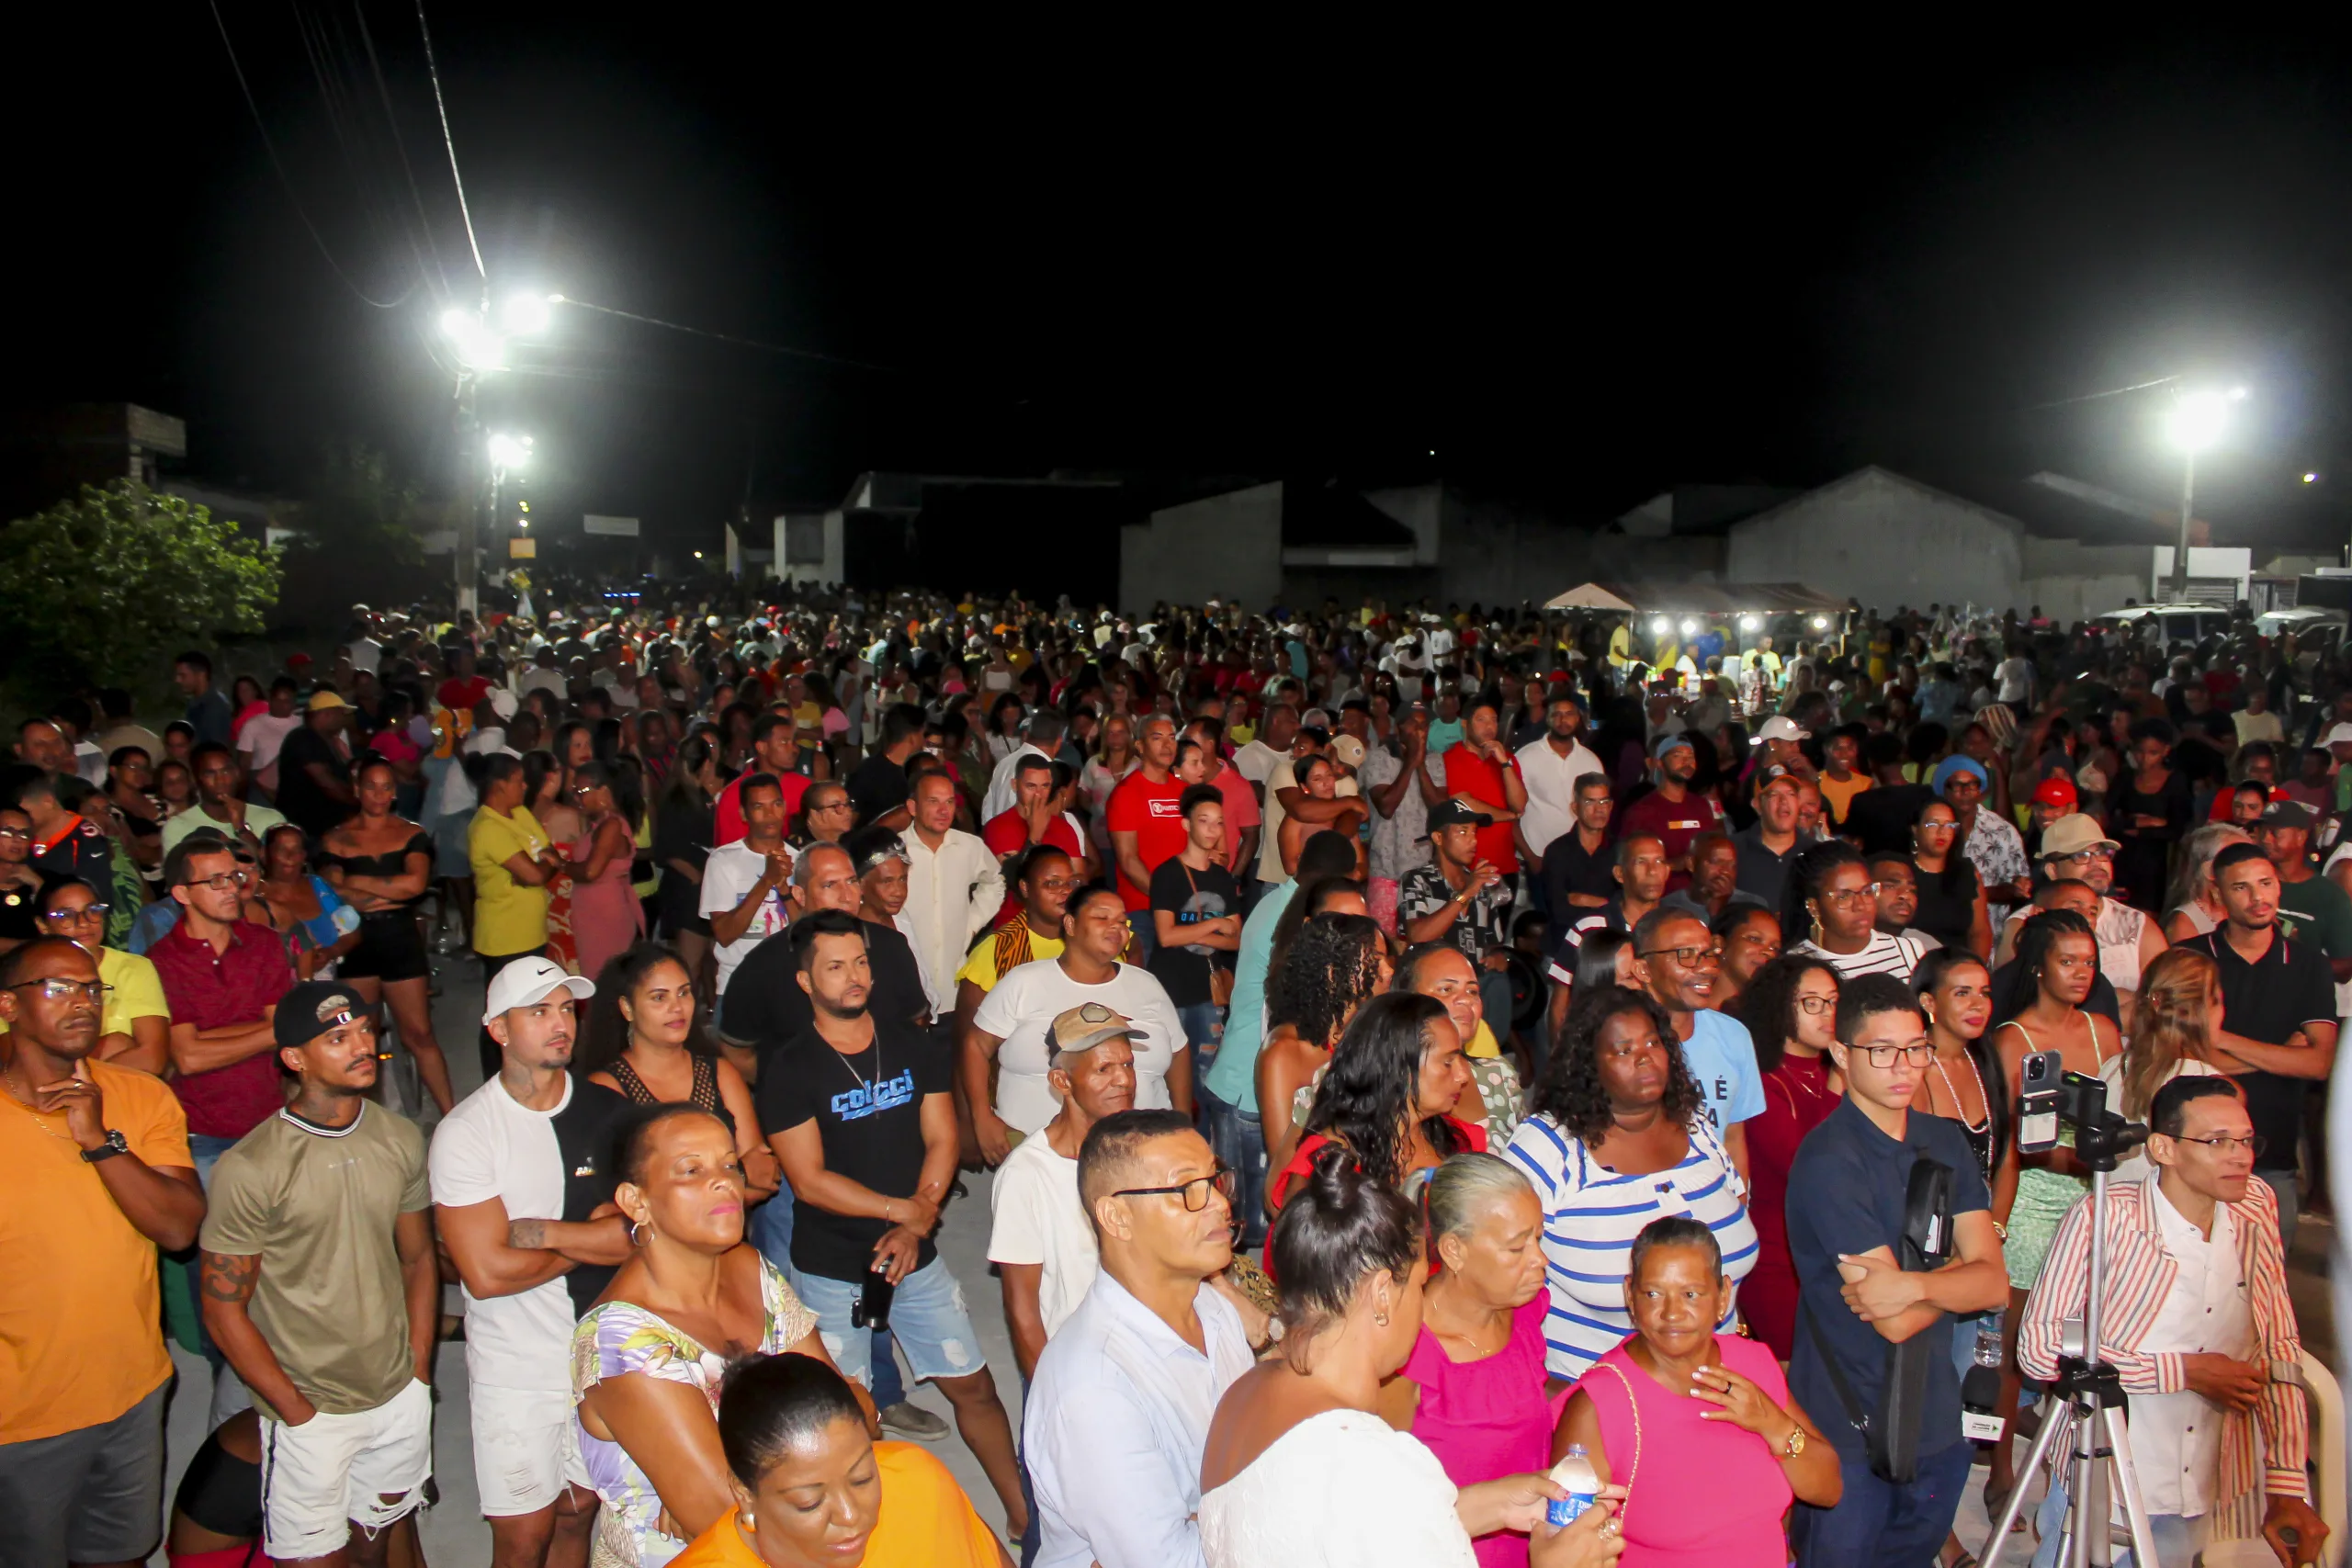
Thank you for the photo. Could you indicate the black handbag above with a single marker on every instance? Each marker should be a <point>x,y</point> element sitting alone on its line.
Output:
<point>1891,1433</point>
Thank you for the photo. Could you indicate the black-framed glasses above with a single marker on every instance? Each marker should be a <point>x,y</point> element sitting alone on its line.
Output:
<point>220,881</point>
<point>87,911</point>
<point>1885,1055</point>
<point>1194,1192</point>
<point>2253,1142</point>
<point>1816,1006</point>
<point>1689,957</point>
<point>58,991</point>
<point>17,834</point>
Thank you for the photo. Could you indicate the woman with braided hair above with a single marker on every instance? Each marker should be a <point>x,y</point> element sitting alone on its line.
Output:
<point>1332,966</point>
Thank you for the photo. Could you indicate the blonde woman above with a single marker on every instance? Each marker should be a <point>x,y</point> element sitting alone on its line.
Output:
<point>2191,906</point>
<point>2176,1033</point>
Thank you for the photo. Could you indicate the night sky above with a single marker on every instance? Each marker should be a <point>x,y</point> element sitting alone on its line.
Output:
<point>1579,268</point>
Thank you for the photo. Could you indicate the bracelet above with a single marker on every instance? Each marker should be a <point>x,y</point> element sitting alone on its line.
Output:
<point>886,1213</point>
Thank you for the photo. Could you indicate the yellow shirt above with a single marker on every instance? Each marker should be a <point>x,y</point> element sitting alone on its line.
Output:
<point>980,967</point>
<point>925,1522</point>
<point>510,917</point>
<point>1483,1043</point>
<point>81,1335</point>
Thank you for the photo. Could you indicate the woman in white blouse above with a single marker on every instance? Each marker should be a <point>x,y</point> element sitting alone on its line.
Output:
<point>1299,1471</point>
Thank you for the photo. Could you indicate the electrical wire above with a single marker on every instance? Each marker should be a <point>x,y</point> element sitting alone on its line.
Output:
<point>740,342</point>
<point>287,184</point>
<point>439,103</point>
<point>400,143</point>
<point>2094,396</point>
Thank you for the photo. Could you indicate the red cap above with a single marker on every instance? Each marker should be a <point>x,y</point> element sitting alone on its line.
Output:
<point>2055,791</point>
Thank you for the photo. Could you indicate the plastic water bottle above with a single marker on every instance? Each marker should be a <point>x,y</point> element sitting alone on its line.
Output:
<point>1980,1389</point>
<point>1579,1480</point>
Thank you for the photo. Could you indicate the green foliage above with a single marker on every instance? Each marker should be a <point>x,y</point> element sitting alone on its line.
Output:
<point>104,589</point>
<point>354,510</point>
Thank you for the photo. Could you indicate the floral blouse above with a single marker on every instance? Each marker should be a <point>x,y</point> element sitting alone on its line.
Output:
<point>616,1337</point>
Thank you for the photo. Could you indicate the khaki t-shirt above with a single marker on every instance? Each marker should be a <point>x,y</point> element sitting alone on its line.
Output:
<point>316,1207</point>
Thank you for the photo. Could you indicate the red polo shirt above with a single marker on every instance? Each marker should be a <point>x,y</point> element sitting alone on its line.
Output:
<point>1467,772</point>
<point>1150,811</point>
<point>214,990</point>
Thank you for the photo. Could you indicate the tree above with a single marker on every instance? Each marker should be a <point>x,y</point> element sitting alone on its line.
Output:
<point>356,512</point>
<point>104,589</point>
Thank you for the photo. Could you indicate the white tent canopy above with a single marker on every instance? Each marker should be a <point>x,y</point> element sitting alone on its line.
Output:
<point>1589,596</point>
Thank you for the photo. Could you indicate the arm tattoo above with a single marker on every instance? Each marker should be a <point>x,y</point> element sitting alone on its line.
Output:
<point>226,1277</point>
<point>528,1236</point>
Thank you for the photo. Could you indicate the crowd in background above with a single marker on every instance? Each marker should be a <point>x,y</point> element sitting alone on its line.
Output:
<point>1406,1043</point>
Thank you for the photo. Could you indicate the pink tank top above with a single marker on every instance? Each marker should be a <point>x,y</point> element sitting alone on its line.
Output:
<point>1703,1493</point>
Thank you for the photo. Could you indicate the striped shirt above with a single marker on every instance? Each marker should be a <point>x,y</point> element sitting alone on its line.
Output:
<point>1896,955</point>
<point>1591,1216</point>
<point>2140,1274</point>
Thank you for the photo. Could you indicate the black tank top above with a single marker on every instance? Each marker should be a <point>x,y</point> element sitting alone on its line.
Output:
<point>705,1092</point>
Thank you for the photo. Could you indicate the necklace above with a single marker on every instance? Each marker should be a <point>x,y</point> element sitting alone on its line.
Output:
<point>1981,1096</point>
<point>39,1120</point>
<point>869,1089</point>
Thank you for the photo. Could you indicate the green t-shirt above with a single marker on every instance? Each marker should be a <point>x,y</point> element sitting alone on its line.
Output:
<point>316,1207</point>
<point>2315,909</point>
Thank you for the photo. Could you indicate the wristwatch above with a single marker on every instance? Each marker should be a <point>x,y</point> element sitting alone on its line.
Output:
<point>1795,1445</point>
<point>115,1145</point>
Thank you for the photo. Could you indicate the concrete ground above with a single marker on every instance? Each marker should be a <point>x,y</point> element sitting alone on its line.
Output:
<point>454,1532</point>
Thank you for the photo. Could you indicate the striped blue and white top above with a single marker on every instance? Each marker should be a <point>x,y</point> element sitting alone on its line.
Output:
<point>1591,1216</point>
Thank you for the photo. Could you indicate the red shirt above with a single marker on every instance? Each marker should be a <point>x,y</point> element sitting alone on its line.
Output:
<point>1149,811</point>
<point>459,696</point>
<point>214,990</point>
<point>1242,813</point>
<point>1467,772</point>
<point>728,808</point>
<point>1797,1099</point>
<point>1006,834</point>
<point>1471,1136</point>
<point>1672,823</point>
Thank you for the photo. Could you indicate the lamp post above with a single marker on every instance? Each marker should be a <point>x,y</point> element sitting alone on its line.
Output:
<point>506,454</point>
<point>480,349</point>
<point>2194,424</point>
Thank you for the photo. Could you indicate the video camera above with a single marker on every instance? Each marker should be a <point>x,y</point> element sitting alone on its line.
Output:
<point>2050,1096</point>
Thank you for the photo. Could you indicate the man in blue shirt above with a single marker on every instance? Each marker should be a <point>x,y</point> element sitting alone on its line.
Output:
<point>1680,960</point>
<point>1848,1192</point>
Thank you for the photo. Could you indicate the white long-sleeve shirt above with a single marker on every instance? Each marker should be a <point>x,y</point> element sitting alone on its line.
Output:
<point>952,894</point>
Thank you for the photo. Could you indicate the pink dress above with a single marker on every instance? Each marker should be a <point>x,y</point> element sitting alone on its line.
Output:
<point>1702,1494</point>
<point>1486,1419</point>
<point>606,917</point>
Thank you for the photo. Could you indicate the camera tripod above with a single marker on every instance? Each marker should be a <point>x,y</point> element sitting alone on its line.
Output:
<point>2083,1441</point>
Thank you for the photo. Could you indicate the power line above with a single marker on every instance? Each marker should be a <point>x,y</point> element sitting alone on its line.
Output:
<point>294,201</point>
<point>434,71</point>
<point>740,342</point>
<point>400,143</point>
<point>2094,396</point>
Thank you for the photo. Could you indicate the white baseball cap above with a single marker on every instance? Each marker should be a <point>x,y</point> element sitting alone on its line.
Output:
<point>1780,726</point>
<point>527,982</point>
<point>2341,734</point>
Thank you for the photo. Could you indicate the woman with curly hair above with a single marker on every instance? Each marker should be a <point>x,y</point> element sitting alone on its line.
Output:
<point>1313,988</point>
<point>1618,1137</point>
<point>1389,1096</point>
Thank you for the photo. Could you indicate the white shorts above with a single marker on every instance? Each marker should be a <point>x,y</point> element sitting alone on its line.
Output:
<point>527,1449</point>
<point>320,1478</point>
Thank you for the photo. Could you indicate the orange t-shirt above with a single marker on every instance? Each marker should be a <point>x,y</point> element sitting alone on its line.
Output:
<point>926,1522</point>
<point>80,1330</point>
<point>1840,795</point>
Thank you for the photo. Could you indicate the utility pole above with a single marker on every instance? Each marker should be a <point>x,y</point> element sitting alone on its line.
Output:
<point>2180,547</point>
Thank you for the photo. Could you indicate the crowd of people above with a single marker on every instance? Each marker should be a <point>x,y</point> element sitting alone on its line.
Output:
<point>1410,1049</point>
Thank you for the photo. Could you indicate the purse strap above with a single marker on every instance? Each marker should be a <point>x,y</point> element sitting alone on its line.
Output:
<point>1634,1407</point>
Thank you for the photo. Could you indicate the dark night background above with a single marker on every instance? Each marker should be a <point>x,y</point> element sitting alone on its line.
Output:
<point>1579,268</point>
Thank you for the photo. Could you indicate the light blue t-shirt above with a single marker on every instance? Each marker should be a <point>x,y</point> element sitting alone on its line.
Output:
<point>1233,1077</point>
<point>1721,1056</point>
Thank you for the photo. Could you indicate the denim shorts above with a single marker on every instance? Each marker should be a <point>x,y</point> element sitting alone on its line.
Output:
<point>927,1318</point>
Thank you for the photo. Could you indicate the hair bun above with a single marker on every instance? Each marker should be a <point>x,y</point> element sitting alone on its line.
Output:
<point>1338,1177</point>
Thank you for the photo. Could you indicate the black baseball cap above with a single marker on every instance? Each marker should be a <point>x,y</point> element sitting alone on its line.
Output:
<point>313,1007</point>
<point>1452,813</point>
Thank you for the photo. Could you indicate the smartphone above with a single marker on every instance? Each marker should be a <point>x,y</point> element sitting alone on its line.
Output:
<point>2039,1078</point>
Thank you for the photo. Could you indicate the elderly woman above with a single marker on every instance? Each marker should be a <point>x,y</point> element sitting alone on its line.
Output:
<point>811,1486</point>
<point>1440,969</point>
<point>1618,1135</point>
<point>1473,1389</point>
<point>1698,1424</point>
<point>647,1359</point>
<point>1299,1468</point>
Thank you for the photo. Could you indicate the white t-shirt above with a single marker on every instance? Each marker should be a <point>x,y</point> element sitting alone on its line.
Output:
<point>263,734</point>
<point>1039,1219</point>
<point>2016,677</point>
<point>490,1146</point>
<point>1024,1002</point>
<point>727,878</point>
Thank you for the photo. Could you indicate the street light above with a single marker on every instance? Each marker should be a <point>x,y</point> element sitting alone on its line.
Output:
<point>507,452</point>
<point>528,315</point>
<point>2196,424</point>
<point>479,348</point>
<point>1750,622</point>
<point>1661,626</point>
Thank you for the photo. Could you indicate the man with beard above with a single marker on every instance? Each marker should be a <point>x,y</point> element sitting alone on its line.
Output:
<point>498,1172</point>
<point>1766,845</point>
<point>1673,813</point>
<point>1676,958</point>
<point>2279,1012</point>
<point>321,1288</point>
<point>1549,767</point>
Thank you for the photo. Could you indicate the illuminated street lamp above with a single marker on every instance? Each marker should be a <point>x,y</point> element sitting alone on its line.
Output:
<point>507,452</point>
<point>2197,424</point>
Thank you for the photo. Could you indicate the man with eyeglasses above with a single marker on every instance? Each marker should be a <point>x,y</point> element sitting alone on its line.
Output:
<point>1118,1410</point>
<point>223,978</point>
<point>99,1176</point>
<point>1677,960</point>
<point>2074,850</point>
<point>2196,1314</point>
<point>2278,1006</point>
<point>1846,1200</point>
